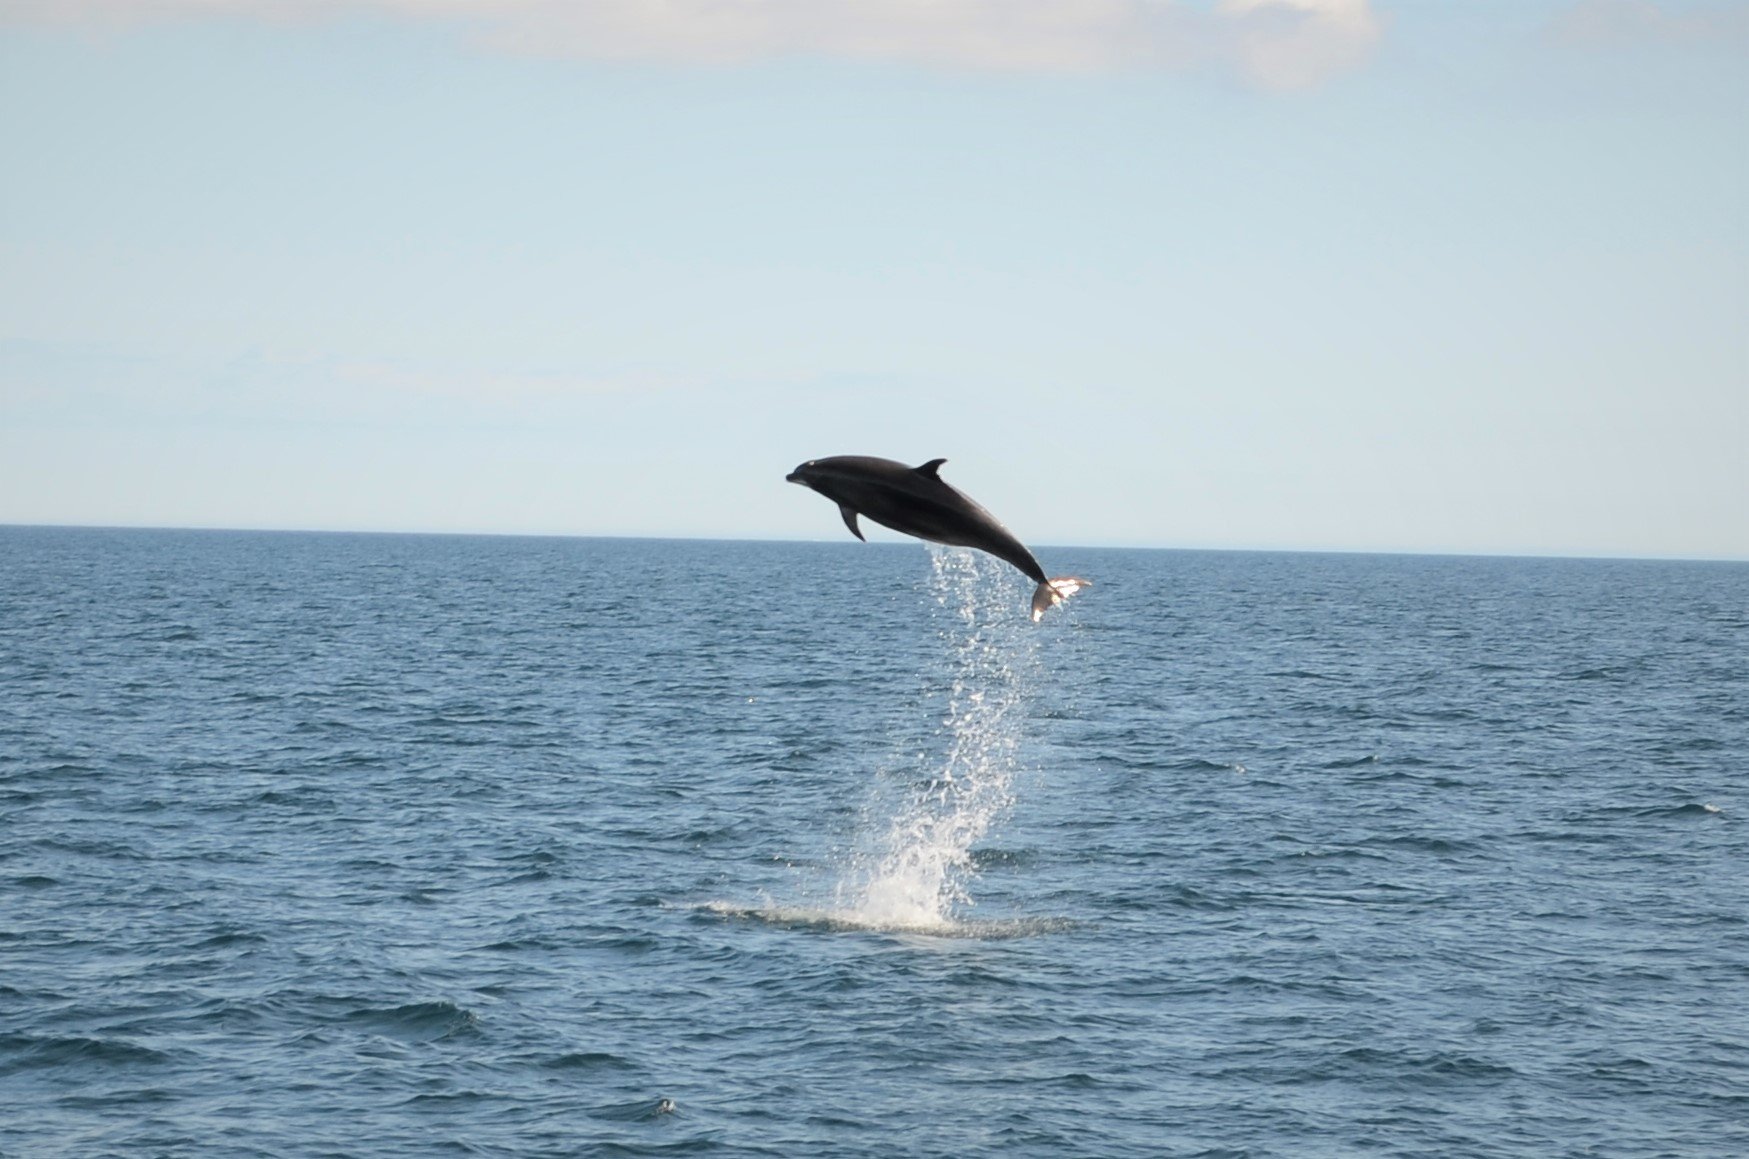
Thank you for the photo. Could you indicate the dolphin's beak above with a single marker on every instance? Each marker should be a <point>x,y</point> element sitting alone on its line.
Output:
<point>795,477</point>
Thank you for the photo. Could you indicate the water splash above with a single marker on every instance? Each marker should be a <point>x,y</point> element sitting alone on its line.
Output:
<point>917,872</point>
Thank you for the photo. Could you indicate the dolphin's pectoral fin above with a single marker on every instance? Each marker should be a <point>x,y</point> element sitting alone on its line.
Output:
<point>930,468</point>
<point>849,514</point>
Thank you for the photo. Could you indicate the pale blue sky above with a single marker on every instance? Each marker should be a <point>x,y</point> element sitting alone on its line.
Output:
<point>1399,276</point>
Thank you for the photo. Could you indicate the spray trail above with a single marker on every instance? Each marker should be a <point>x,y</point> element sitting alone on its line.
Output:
<point>918,872</point>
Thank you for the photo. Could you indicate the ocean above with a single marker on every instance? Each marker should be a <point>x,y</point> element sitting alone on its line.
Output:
<point>395,845</point>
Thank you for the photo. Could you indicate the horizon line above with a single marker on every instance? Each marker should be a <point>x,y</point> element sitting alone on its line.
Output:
<point>1456,553</point>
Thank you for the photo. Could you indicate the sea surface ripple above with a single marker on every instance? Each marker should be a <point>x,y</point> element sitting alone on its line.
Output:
<point>342,845</point>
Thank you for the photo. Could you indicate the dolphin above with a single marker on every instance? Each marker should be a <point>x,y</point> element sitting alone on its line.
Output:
<point>915,501</point>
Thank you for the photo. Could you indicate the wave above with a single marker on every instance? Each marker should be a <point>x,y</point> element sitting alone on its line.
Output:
<point>24,1052</point>
<point>1692,809</point>
<point>831,920</point>
<point>1419,843</point>
<point>1695,809</point>
<point>417,1020</point>
<point>1199,764</point>
<point>589,1060</point>
<point>224,939</point>
<point>636,1111</point>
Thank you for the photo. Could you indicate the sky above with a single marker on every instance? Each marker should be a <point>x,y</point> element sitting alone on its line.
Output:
<point>1290,274</point>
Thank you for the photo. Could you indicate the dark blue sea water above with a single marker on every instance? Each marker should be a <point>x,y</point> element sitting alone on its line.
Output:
<point>413,846</point>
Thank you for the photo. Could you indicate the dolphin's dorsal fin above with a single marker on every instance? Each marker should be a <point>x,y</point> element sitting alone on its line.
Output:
<point>849,514</point>
<point>930,468</point>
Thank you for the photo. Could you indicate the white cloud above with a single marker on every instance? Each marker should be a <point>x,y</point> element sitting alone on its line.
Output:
<point>1643,23</point>
<point>1281,44</point>
<point>1289,44</point>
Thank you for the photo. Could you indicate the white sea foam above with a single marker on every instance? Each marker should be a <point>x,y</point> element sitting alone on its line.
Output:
<point>833,919</point>
<point>910,867</point>
<point>913,869</point>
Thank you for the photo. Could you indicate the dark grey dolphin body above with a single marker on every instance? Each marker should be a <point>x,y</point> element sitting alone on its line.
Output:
<point>915,501</point>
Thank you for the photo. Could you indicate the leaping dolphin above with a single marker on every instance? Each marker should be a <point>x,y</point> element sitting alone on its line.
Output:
<point>915,501</point>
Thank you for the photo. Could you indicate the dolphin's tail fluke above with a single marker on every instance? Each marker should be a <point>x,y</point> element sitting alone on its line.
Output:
<point>1053,592</point>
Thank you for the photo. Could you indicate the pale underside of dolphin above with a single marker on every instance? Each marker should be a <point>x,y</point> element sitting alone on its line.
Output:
<point>915,501</point>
